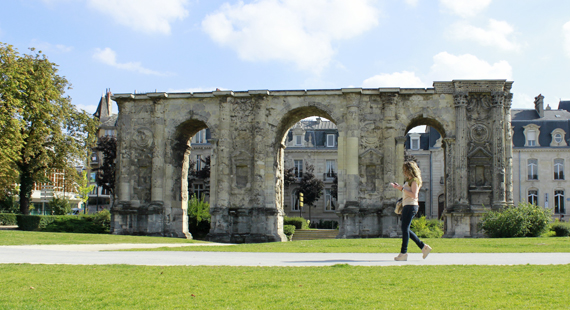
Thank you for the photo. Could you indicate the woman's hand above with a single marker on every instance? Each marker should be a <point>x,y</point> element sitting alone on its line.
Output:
<point>397,186</point>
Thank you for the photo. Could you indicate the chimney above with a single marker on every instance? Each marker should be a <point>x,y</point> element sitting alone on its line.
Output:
<point>109,103</point>
<point>539,105</point>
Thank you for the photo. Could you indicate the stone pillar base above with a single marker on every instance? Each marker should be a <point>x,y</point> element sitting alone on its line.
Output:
<point>245,225</point>
<point>462,225</point>
<point>139,220</point>
<point>376,222</point>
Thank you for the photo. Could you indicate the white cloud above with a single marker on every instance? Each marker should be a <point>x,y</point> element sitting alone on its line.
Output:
<point>48,47</point>
<point>522,101</point>
<point>566,34</point>
<point>148,16</point>
<point>465,8</point>
<point>294,31</point>
<point>109,57</point>
<point>396,79</point>
<point>412,3</point>
<point>449,67</point>
<point>495,35</point>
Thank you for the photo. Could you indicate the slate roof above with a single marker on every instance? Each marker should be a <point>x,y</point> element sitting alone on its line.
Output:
<point>552,120</point>
<point>317,131</point>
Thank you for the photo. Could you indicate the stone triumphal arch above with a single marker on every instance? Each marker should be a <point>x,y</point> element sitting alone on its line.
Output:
<point>248,130</point>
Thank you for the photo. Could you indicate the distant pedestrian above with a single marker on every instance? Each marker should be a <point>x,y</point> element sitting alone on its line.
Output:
<point>410,191</point>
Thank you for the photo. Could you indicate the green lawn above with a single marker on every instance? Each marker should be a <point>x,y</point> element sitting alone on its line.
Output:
<point>17,237</point>
<point>376,245</point>
<point>334,287</point>
<point>392,245</point>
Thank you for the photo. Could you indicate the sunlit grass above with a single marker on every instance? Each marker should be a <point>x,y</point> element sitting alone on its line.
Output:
<point>17,237</point>
<point>333,287</point>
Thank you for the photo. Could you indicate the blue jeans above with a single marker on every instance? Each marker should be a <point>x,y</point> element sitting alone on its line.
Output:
<point>407,215</point>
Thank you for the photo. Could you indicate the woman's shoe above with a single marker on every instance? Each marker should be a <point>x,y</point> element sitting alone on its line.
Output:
<point>426,250</point>
<point>401,257</point>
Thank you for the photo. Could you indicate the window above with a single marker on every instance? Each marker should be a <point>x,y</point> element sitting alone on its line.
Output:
<point>331,168</point>
<point>533,169</point>
<point>558,136</point>
<point>559,169</point>
<point>198,162</point>
<point>299,168</point>
<point>415,143</point>
<point>531,138</point>
<point>198,190</point>
<point>330,203</point>
<point>298,140</point>
<point>531,133</point>
<point>109,132</point>
<point>533,197</point>
<point>330,140</point>
<point>200,137</point>
<point>92,176</point>
<point>559,202</point>
<point>295,200</point>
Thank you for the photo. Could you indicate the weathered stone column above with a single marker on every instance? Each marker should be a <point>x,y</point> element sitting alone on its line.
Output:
<point>509,150</point>
<point>460,170</point>
<point>449,145</point>
<point>499,169</point>
<point>400,147</point>
<point>352,144</point>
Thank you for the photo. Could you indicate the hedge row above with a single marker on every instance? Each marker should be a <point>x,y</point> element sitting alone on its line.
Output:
<point>298,222</point>
<point>7,219</point>
<point>99,223</point>
<point>561,229</point>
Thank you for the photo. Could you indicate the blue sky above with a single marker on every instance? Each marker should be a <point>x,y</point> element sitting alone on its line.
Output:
<point>198,45</point>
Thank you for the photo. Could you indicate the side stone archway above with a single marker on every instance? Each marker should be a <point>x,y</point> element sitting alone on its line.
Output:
<point>247,128</point>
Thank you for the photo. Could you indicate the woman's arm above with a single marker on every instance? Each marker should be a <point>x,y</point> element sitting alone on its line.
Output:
<point>415,190</point>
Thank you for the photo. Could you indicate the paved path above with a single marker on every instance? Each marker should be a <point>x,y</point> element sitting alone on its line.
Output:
<point>91,255</point>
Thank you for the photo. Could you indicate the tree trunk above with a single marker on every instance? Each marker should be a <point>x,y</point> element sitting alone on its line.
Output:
<point>26,187</point>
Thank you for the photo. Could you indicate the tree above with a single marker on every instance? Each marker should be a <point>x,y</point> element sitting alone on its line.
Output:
<point>289,177</point>
<point>11,140</point>
<point>45,130</point>
<point>84,189</point>
<point>311,187</point>
<point>105,176</point>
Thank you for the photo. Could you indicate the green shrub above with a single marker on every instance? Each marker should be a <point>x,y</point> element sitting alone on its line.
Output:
<point>526,220</point>
<point>8,219</point>
<point>98,223</point>
<point>60,206</point>
<point>33,222</point>
<point>427,228</point>
<point>561,229</point>
<point>9,205</point>
<point>289,230</point>
<point>199,217</point>
<point>326,224</point>
<point>298,222</point>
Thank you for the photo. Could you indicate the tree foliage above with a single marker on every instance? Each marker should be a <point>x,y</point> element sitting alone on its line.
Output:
<point>84,188</point>
<point>105,176</point>
<point>311,187</point>
<point>289,176</point>
<point>40,130</point>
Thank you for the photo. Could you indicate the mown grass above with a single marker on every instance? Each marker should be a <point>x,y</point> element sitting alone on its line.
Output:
<point>17,237</point>
<point>392,245</point>
<point>333,287</point>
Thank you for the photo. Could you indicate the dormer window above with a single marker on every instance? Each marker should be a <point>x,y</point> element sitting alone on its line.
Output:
<point>200,137</point>
<point>531,133</point>
<point>558,137</point>
<point>298,140</point>
<point>330,140</point>
<point>415,141</point>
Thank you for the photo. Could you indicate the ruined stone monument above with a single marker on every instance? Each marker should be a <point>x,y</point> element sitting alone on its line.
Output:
<point>248,130</point>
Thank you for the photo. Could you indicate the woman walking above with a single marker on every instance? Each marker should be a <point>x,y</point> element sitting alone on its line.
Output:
<point>410,191</point>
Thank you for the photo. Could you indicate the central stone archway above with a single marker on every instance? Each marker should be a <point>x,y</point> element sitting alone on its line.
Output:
<point>248,127</point>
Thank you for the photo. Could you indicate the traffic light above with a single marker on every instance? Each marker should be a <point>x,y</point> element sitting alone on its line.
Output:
<point>301,200</point>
